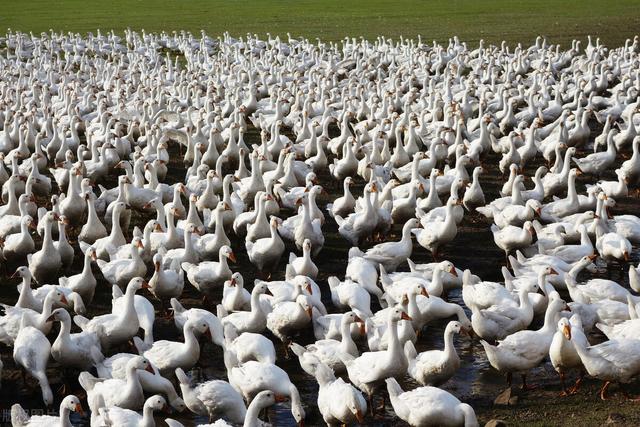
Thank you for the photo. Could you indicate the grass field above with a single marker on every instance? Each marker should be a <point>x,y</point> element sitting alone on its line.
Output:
<point>494,20</point>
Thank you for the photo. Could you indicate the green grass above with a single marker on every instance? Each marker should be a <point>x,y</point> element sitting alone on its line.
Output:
<point>493,20</point>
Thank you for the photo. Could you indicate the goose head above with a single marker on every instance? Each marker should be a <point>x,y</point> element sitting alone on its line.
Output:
<point>226,251</point>
<point>174,211</point>
<point>448,267</point>
<point>351,317</point>
<point>419,289</point>
<point>261,288</point>
<point>72,403</point>
<point>397,314</point>
<point>267,398</point>
<point>137,283</point>
<point>236,280</point>
<point>459,328</point>
<point>22,272</point>
<point>528,226</point>
<point>59,315</point>
<point>28,222</point>
<point>156,403</point>
<point>157,262</point>
<point>534,205</point>
<point>141,363</point>
<point>136,243</point>
<point>564,327</point>
<point>191,230</point>
<point>199,326</point>
<point>58,297</point>
<point>303,302</point>
<point>274,222</point>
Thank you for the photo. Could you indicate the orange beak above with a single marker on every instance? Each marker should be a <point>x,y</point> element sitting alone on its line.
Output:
<point>405,316</point>
<point>566,330</point>
<point>232,257</point>
<point>63,300</point>
<point>363,330</point>
<point>453,271</point>
<point>424,292</point>
<point>280,398</point>
<point>145,285</point>
<point>149,368</point>
<point>79,409</point>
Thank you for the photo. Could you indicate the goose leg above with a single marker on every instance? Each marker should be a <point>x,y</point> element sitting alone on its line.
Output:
<point>603,390</point>
<point>624,392</point>
<point>372,408</point>
<point>562,383</point>
<point>509,379</point>
<point>526,386</point>
<point>286,345</point>
<point>382,405</point>
<point>576,386</point>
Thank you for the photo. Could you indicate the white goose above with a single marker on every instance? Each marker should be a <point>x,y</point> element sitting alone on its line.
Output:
<point>113,329</point>
<point>425,406</point>
<point>121,271</point>
<point>182,315</point>
<point>116,416</point>
<point>338,401</point>
<point>392,254</point>
<point>209,275</point>
<point>266,252</point>
<point>151,382</point>
<point>20,418</point>
<point>253,377</point>
<point>524,350</point>
<point>246,346</point>
<point>435,367</point>
<point>254,320</point>
<point>304,265</point>
<point>31,351</point>
<point>327,351</point>
<point>371,368</point>
<point>212,399</point>
<point>169,355</point>
<point>611,361</point>
<point>106,393</point>
<point>562,351</point>
<point>79,350</point>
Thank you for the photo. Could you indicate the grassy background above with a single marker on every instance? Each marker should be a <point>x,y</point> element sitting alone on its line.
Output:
<point>494,20</point>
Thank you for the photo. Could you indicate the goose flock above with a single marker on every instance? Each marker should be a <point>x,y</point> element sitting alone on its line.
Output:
<point>246,201</point>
